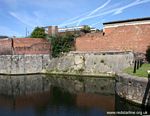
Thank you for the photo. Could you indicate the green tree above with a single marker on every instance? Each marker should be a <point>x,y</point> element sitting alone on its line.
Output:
<point>38,33</point>
<point>86,29</point>
<point>61,44</point>
<point>148,54</point>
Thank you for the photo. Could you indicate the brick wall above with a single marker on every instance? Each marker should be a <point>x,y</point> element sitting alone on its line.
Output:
<point>132,37</point>
<point>24,46</point>
<point>5,46</point>
<point>31,46</point>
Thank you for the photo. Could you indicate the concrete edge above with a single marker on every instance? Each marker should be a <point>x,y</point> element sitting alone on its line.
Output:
<point>66,74</point>
<point>87,75</point>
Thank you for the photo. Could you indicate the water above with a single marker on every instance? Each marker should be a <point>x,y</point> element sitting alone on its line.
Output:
<point>40,95</point>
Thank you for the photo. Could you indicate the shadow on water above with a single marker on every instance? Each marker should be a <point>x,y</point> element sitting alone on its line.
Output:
<point>146,98</point>
<point>61,97</point>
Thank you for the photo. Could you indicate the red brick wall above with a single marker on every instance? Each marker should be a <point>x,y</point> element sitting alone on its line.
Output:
<point>5,46</point>
<point>24,46</point>
<point>133,37</point>
<point>31,46</point>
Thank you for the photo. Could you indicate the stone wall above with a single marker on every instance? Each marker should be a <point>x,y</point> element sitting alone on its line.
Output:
<point>135,89</point>
<point>91,63</point>
<point>71,63</point>
<point>122,38</point>
<point>23,64</point>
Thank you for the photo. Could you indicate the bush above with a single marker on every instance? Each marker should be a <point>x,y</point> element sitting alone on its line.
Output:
<point>86,29</point>
<point>148,54</point>
<point>61,44</point>
<point>38,33</point>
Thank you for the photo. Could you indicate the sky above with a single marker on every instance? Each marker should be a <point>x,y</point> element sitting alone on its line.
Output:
<point>17,16</point>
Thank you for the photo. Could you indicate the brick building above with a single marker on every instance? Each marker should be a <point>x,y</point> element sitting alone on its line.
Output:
<point>125,35</point>
<point>55,30</point>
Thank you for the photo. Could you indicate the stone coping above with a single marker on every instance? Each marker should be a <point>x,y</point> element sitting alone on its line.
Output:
<point>132,77</point>
<point>101,53</point>
<point>106,75</point>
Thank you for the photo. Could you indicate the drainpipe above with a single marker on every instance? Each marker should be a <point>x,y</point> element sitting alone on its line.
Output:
<point>12,46</point>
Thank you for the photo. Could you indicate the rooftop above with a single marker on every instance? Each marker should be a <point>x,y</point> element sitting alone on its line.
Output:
<point>3,37</point>
<point>128,20</point>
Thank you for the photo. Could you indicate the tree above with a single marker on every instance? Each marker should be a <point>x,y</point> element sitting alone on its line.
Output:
<point>86,29</point>
<point>38,33</point>
<point>61,44</point>
<point>148,54</point>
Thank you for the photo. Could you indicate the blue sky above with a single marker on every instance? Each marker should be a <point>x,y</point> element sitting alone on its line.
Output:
<point>17,15</point>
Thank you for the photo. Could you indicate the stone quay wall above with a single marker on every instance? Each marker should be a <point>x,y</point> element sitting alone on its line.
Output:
<point>23,64</point>
<point>132,88</point>
<point>71,63</point>
<point>91,63</point>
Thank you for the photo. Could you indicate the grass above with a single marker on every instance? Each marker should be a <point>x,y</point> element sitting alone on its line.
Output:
<point>141,72</point>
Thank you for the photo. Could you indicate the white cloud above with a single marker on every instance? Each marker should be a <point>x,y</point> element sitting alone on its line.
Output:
<point>37,12</point>
<point>103,10</point>
<point>25,18</point>
<point>41,13</point>
<point>77,17</point>
<point>118,12</point>
<point>100,7</point>
<point>134,3</point>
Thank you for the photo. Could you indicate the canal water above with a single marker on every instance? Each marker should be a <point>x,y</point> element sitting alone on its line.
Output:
<point>49,95</point>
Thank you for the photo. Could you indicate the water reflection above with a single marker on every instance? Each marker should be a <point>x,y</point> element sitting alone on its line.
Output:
<point>40,95</point>
<point>103,102</point>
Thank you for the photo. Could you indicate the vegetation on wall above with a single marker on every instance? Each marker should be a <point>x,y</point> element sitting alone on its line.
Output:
<point>86,29</point>
<point>148,54</point>
<point>38,32</point>
<point>61,44</point>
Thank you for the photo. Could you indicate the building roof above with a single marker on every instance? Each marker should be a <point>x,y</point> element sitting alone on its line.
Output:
<point>3,37</point>
<point>71,28</point>
<point>128,20</point>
